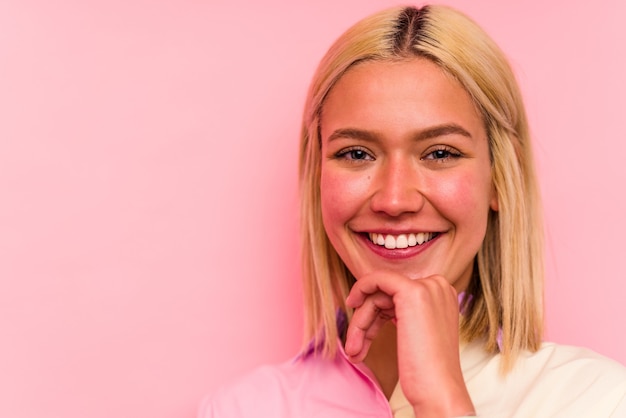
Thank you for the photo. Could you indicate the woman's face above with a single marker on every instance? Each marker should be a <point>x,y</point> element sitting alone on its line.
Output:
<point>406,175</point>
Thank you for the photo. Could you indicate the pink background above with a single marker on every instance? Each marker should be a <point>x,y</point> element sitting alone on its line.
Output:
<point>148,223</point>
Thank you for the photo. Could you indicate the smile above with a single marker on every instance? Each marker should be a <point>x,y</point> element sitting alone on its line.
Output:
<point>392,242</point>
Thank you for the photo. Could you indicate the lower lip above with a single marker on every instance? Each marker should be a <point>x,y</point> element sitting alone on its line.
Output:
<point>398,253</point>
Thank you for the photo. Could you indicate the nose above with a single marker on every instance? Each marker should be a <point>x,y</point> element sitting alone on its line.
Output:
<point>397,188</point>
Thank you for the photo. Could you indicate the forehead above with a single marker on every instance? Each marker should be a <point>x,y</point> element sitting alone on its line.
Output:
<point>412,92</point>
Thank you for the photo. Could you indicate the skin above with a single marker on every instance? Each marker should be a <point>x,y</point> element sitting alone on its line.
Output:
<point>404,150</point>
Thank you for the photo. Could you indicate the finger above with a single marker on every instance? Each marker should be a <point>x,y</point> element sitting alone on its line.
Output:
<point>365,324</point>
<point>385,282</point>
<point>359,341</point>
<point>358,294</point>
<point>434,291</point>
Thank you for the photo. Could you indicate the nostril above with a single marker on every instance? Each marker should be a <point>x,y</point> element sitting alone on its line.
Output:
<point>395,204</point>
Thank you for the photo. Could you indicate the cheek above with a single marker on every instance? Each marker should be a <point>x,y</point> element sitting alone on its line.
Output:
<point>463,197</point>
<point>342,195</point>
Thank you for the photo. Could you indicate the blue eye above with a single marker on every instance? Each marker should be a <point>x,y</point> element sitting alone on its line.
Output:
<point>443,153</point>
<point>354,154</point>
<point>440,153</point>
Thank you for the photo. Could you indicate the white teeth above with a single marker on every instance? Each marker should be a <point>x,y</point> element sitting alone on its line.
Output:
<point>412,240</point>
<point>400,241</point>
<point>380,240</point>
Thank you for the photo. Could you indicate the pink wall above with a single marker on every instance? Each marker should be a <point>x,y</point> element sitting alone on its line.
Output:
<point>147,174</point>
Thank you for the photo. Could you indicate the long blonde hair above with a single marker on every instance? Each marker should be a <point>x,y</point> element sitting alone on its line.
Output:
<point>507,285</point>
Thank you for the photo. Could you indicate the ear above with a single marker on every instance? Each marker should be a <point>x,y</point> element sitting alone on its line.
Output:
<point>493,203</point>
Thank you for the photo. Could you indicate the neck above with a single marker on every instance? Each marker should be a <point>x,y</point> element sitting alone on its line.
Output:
<point>382,359</point>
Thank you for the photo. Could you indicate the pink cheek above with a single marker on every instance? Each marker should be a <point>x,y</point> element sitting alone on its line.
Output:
<point>457,196</point>
<point>342,196</point>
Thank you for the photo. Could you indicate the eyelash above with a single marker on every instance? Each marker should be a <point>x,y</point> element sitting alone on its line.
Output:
<point>450,153</point>
<point>349,152</point>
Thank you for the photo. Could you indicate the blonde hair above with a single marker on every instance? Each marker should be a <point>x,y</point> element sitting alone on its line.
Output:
<point>506,288</point>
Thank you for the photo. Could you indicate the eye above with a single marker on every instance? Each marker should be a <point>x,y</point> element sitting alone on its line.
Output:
<point>354,154</point>
<point>442,153</point>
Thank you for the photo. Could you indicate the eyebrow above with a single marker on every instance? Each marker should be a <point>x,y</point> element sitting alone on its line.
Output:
<point>432,132</point>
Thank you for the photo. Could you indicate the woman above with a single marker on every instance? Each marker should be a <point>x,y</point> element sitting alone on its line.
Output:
<point>419,201</point>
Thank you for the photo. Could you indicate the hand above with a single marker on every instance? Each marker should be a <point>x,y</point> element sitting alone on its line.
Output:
<point>426,314</point>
